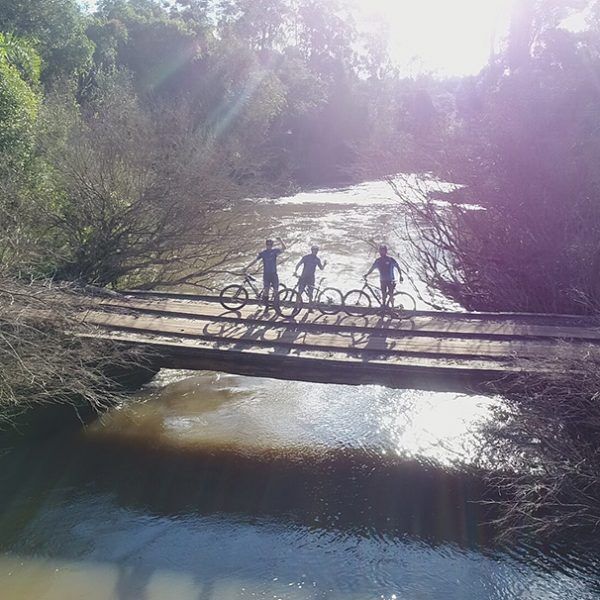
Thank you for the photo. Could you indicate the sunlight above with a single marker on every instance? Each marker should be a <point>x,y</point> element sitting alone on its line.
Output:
<point>449,38</point>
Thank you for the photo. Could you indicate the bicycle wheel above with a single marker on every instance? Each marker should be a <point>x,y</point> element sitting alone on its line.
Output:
<point>288,302</point>
<point>356,302</point>
<point>404,302</point>
<point>329,301</point>
<point>233,297</point>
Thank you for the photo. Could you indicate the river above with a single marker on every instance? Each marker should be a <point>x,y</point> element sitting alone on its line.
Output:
<point>215,486</point>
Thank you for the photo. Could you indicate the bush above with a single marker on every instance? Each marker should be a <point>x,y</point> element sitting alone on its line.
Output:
<point>138,196</point>
<point>544,443</point>
<point>523,144</point>
<point>45,353</point>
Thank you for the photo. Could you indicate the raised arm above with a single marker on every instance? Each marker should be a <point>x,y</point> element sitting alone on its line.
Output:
<point>322,265</point>
<point>283,246</point>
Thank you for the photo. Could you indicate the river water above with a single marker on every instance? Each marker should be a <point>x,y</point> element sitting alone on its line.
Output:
<point>215,486</point>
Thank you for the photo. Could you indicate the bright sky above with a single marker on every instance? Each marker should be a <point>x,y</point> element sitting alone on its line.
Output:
<point>448,37</point>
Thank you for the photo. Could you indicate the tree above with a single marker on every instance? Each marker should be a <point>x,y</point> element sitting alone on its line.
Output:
<point>522,147</point>
<point>137,195</point>
<point>56,28</point>
<point>19,100</point>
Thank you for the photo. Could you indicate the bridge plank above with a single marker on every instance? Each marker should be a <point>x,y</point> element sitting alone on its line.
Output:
<point>373,342</point>
<point>548,318</point>
<point>424,325</point>
<point>428,373</point>
<point>247,347</point>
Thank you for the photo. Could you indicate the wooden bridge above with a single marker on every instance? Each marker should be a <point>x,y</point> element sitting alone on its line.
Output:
<point>426,349</point>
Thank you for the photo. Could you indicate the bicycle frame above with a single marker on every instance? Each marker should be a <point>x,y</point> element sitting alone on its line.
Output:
<point>375,293</point>
<point>316,289</point>
<point>249,281</point>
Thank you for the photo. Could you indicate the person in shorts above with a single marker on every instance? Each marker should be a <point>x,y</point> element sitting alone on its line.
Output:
<point>309,264</point>
<point>387,266</point>
<point>268,256</point>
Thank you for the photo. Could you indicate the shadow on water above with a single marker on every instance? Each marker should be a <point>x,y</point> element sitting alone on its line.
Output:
<point>341,489</point>
<point>343,492</point>
<point>335,489</point>
<point>333,493</point>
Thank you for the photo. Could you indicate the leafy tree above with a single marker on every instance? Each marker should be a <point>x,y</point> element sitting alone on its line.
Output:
<point>108,37</point>
<point>19,100</point>
<point>523,144</point>
<point>141,36</point>
<point>56,29</point>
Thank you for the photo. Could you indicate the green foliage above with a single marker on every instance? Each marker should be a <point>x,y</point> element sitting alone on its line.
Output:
<point>57,29</point>
<point>275,89</point>
<point>21,55</point>
<point>281,78</point>
<point>108,37</point>
<point>284,92</point>
<point>19,101</point>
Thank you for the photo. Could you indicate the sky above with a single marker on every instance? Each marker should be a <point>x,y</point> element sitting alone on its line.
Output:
<point>446,37</point>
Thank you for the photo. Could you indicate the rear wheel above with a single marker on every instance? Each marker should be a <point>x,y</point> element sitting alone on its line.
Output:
<point>356,302</point>
<point>330,301</point>
<point>288,302</point>
<point>404,302</point>
<point>233,297</point>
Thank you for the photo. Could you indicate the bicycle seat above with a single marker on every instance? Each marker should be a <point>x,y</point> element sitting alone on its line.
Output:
<point>250,277</point>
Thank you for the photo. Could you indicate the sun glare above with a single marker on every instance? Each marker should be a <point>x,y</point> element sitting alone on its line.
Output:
<point>449,37</point>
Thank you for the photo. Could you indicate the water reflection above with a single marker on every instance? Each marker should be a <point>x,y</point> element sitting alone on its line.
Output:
<point>211,410</point>
<point>227,487</point>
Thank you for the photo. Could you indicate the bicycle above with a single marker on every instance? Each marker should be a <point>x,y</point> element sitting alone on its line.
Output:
<point>236,296</point>
<point>357,301</point>
<point>329,300</point>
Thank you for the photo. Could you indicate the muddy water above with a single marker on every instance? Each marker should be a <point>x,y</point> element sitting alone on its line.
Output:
<point>215,486</point>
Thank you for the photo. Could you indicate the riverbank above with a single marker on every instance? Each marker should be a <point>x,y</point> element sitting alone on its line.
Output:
<point>53,370</point>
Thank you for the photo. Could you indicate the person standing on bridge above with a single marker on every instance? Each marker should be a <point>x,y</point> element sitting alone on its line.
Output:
<point>269,260</point>
<point>386,265</point>
<point>309,264</point>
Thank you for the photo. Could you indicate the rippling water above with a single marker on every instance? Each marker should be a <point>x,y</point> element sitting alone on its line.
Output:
<point>215,486</point>
<point>346,224</point>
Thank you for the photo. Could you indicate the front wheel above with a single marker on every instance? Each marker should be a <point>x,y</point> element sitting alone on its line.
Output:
<point>233,297</point>
<point>287,302</point>
<point>356,302</point>
<point>329,301</point>
<point>404,302</point>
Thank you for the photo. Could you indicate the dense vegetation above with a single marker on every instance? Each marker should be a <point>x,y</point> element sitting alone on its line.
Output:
<point>523,139</point>
<point>137,121</point>
<point>122,130</point>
